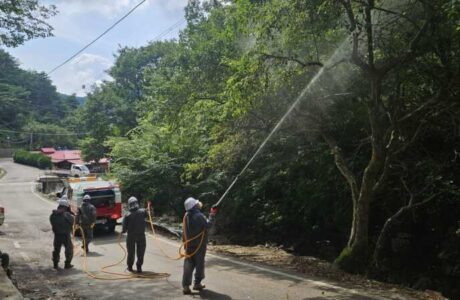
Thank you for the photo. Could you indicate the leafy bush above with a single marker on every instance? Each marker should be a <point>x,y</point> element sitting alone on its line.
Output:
<point>32,159</point>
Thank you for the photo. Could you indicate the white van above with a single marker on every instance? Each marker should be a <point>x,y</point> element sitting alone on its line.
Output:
<point>79,170</point>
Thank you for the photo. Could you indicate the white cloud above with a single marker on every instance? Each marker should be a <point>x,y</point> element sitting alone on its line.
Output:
<point>111,8</point>
<point>80,75</point>
<point>81,20</point>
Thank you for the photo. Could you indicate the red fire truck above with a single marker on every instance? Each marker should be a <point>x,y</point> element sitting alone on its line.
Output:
<point>105,196</point>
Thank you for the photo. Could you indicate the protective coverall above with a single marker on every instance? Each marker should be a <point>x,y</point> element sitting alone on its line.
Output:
<point>134,225</point>
<point>86,217</point>
<point>61,222</point>
<point>195,223</point>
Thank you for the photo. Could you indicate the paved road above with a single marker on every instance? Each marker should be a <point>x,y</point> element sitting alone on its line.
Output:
<point>28,239</point>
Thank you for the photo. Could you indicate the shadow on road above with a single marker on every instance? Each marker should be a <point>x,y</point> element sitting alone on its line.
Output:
<point>93,254</point>
<point>209,294</point>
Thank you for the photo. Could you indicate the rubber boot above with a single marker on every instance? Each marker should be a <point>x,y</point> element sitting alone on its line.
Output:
<point>186,290</point>
<point>130,269</point>
<point>68,266</point>
<point>55,265</point>
<point>199,287</point>
<point>139,269</point>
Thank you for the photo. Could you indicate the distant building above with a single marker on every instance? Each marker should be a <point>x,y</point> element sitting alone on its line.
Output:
<point>47,151</point>
<point>64,159</point>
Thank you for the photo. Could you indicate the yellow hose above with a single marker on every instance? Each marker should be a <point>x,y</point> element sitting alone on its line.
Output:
<point>182,254</point>
<point>124,276</point>
<point>117,276</point>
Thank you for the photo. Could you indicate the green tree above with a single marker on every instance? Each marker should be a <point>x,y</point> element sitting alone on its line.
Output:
<point>102,116</point>
<point>46,135</point>
<point>24,20</point>
<point>367,154</point>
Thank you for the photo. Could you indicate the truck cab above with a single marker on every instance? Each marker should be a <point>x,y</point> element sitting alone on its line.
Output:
<point>105,196</point>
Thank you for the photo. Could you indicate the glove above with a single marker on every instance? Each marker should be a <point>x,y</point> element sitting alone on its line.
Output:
<point>214,210</point>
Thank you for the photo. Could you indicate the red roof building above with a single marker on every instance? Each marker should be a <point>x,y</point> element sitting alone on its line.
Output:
<point>72,156</point>
<point>47,151</point>
<point>64,159</point>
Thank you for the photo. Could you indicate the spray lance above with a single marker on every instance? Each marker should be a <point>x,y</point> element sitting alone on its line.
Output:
<point>302,94</point>
<point>278,125</point>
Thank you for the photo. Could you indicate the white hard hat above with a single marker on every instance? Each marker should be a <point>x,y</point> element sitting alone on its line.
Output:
<point>190,203</point>
<point>132,202</point>
<point>86,197</point>
<point>63,202</point>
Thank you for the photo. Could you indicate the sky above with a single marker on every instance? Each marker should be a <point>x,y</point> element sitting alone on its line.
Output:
<point>79,22</point>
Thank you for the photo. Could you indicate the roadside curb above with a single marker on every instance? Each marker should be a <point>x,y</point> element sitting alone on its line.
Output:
<point>7,288</point>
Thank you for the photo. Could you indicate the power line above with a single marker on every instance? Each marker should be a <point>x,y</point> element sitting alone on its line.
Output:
<point>44,133</point>
<point>169,30</point>
<point>97,38</point>
<point>159,36</point>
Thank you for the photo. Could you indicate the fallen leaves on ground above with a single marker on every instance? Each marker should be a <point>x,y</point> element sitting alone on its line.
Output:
<point>320,269</point>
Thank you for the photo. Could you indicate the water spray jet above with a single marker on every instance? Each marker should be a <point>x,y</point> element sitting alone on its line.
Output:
<point>284,117</point>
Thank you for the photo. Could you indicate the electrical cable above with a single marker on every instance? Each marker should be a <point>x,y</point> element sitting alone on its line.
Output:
<point>97,38</point>
<point>44,133</point>
<point>159,36</point>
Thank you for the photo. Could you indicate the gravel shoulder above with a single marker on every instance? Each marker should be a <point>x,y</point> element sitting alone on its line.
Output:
<point>319,269</point>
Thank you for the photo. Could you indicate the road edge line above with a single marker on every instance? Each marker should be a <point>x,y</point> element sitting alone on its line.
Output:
<point>48,201</point>
<point>279,272</point>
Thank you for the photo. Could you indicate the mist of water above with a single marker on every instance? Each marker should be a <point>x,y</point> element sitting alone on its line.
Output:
<point>334,57</point>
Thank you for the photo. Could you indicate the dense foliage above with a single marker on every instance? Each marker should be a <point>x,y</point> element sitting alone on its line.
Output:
<point>23,20</point>
<point>372,148</point>
<point>364,170</point>
<point>32,159</point>
<point>32,112</point>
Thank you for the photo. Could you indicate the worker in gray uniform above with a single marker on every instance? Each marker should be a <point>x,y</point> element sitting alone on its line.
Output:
<point>86,218</point>
<point>134,225</point>
<point>62,222</point>
<point>195,237</point>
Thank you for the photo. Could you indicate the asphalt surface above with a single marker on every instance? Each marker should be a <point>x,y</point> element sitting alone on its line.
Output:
<point>27,237</point>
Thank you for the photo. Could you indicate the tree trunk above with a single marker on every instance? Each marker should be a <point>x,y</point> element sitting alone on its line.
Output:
<point>358,242</point>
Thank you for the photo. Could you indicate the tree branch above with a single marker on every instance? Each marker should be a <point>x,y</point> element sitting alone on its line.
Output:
<point>412,140</point>
<point>342,165</point>
<point>206,97</point>
<point>411,195</point>
<point>411,53</point>
<point>355,58</point>
<point>293,59</point>
<point>391,12</point>
<point>386,165</point>
<point>370,40</point>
